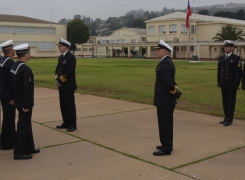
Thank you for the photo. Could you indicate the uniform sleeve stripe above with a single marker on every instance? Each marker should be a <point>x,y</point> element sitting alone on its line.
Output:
<point>63,79</point>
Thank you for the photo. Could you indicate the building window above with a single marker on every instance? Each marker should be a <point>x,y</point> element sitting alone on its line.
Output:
<point>85,49</point>
<point>46,30</point>
<point>162,29</point>
<point>107,41</point>
<point>183,48</point>
<point>31,43</point>
<point>223,50</point>
<point>103,42</point>
<point>47,46</point>
<point>5,29</point>
<point>98,42</point>
<point>151,29</point>
<point>173,28</point>
<point>192,48</point>
<point>26,30</point>
<point>90,49</point>
<point>122,40</point>
<point>91,41</point>
<point>133,40</point>
<point>193,29</point>
<point>183,29</point>
<point>78,49</point>
<point>118,41</point>
<point>143,38</point>
<point>112,41</point>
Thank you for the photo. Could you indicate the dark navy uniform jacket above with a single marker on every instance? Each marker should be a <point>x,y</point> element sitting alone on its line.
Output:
<point>243,76</point>
<point>65,72</point>
<point>165,82</point>
<point>229,71</point>
<point>6,80</point>
<point>23,85</point>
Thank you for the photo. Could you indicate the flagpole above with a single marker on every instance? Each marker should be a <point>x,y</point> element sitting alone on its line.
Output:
<point>194,27</point>
<point>195,57</point>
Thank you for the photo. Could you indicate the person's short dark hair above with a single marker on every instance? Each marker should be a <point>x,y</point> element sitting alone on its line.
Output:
<point>6,50</point>
<point>20,55</point>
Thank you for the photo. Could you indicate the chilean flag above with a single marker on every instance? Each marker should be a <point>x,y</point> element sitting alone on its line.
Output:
<point>188,14</point>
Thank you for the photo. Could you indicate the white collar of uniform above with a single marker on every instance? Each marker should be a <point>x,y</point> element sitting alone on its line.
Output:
<point>163,58</point>
<point>65,53</point>
<point>228,54</point>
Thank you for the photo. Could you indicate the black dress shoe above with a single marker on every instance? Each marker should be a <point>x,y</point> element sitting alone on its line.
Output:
<point>7,147</point>
<point>161,153</point>
<point>70,129</point>
<point>227,124</point>
<point>22,157</point>
<point>159,147</point>
<point>62,127</point>
<point>35,151</point>
<point>222,122</point>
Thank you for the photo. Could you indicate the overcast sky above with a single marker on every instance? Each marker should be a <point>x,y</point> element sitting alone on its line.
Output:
<point>57,9</point>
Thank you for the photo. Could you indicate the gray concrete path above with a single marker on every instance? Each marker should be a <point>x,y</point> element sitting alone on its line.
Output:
<point>115,140</point>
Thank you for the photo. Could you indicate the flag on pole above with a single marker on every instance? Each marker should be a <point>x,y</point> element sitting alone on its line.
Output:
<point>188,14</point>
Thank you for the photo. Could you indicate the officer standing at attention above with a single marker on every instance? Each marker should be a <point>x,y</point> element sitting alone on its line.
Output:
<point>7,96</point>
<point>24,101</point>
<point>243,77</point>
<point>165,98</point>
<point>229,77</point>
<point>65,79</point>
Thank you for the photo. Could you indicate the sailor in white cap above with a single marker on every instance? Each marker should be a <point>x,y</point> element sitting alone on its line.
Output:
<point>7,96</point>
<point>65,79</point>
<point>24,101</point>
<point>165,95</point>
<point>229,77</point>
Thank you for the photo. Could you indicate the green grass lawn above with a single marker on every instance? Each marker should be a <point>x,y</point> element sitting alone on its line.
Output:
<point>133,80</point>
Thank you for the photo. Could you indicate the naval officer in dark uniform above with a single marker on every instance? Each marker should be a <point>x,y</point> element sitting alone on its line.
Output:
<point>65,79</point>
<point>24,101</point>
<point>243,77</point>
<point>165,98</point>
<point>7,96</point>
<point>229,77</point>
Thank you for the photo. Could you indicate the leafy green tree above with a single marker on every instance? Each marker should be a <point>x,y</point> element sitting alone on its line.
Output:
<point>63,21</point>
<point>225,14</point>
<point>77,33</point>
<point>136,23</point>
<point>203,12</point>
<point>118,52</point>
<point>240,15</point>
<point>229,32</point>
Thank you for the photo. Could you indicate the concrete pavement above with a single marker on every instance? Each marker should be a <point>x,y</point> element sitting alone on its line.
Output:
<point>115,140</point>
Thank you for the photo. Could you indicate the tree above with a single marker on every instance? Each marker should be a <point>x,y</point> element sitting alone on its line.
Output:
<point>203,12</point>
<point>118,51</point>
<point>115,26</point>
<point>136,23</point>
<point>93,33</point>
<point>240,15</point>
<point>77,33</point>
<point>63,21</point>
<point>77,17</point>
<point>133,52</point>
<point>146,14</point>
<point>225,14</point>
<point>229,32</point>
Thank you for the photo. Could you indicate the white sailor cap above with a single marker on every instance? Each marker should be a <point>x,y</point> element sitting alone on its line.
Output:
<point>64,42</point>
<point>6,44</point>
<point>21,48</point>
<point>229,43</point>
<point>163,45</point>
